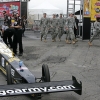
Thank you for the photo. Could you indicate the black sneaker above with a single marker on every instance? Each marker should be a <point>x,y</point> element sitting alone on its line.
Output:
<point>20,54</point>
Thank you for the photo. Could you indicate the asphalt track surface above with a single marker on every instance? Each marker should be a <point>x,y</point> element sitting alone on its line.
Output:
<point>64,60</point>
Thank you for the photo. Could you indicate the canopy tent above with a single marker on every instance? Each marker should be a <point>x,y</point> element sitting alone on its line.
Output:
<point>45,7</point>
<point>79,12</point>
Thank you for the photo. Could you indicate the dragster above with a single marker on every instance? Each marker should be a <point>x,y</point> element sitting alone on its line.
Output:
<point>21,81</point>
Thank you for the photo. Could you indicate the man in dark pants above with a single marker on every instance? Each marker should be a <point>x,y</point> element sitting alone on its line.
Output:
<point>18,39</point>
<point>17,36</point>
<point>76,30</point>
<point>6,30</point>
<point>7,35</point>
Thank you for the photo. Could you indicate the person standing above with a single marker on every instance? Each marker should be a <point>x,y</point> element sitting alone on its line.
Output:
<point>24,21</point>
<point>4,35</point>
<point>76,30</point>
<point>17,39</point>
<point>96,30</point>
<point>44,27</point>
<point>54,27</point>
<point>6,30</point>
<point>61,23</point>
<point>69,26</point>
<point>65,31</point>
<point>5,16</point>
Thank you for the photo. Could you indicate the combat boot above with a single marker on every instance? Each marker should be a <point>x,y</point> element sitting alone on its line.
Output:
<point>54,40</point>
<point>76,40</point>
<point>90,44</point>
<point>59,40</point>
<point>68,42</point>
<point>73,42</point>
<point>45,40</point>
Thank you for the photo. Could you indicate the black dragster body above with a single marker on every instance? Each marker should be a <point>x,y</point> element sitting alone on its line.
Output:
<point>21,81</point>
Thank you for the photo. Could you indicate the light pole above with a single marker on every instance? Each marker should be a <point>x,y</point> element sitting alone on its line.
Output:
<point>27,9</point>
<point>67,7</point>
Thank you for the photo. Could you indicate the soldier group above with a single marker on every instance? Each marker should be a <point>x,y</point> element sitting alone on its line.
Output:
<point>57,27</point>
<point>13,27</point>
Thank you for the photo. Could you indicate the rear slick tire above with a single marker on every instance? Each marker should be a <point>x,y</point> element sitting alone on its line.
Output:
<point>9,76</point>
<point>45,73</point>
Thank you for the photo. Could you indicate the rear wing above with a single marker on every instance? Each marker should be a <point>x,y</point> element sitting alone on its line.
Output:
<point>45,87</point>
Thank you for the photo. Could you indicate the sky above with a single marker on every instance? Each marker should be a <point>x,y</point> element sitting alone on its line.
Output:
<point>62,4</point>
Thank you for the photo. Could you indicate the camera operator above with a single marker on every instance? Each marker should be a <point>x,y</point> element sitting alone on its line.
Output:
<point>17,35</point>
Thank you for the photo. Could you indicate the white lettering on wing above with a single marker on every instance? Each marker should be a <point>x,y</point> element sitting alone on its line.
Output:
<point>36,90</point>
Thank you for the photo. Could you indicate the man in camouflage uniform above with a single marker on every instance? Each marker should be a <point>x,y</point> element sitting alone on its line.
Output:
<point>54,27</point>
<point>65,31</point>
<point>96,30</point>
<point>69,26</point>
<point>44,24</point>
<point>61,22</point>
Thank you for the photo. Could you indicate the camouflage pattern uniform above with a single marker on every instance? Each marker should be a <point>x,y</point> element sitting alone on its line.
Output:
<point>44,23</point>
<point>96,30</point>
<point>70,23</point>
<point>65,20</point>
<point>54,28</point>
<point>61,22</point>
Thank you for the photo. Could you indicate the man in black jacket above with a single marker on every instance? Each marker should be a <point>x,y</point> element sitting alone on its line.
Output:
<point>17,35</point>
<point>6,30</point>
<point>76,30</point>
